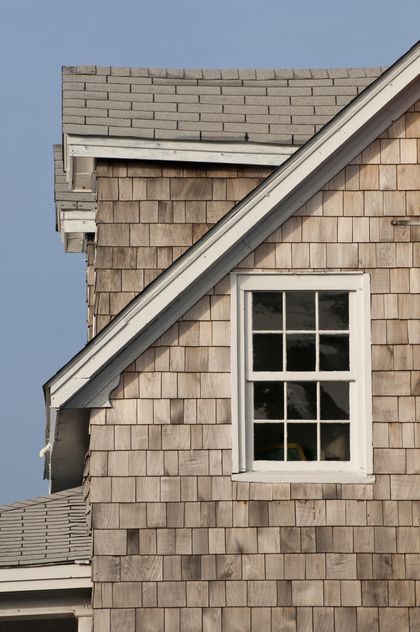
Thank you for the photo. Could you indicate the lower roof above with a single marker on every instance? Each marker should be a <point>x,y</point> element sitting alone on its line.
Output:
<point>45,530</point>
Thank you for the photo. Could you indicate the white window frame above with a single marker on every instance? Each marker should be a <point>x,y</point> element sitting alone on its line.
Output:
<point>359,468</point>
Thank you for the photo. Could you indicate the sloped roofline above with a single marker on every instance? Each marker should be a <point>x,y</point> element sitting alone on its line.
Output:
<point>38,500</point>
<point>86,380</point>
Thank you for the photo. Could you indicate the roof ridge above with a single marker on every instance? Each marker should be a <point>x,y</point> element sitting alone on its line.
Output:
<point>276,72</point>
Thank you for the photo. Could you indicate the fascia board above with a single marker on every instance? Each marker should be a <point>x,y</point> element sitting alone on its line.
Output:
<point>71,226</point>
<point>178,151</point>
<point>26,611</point>
<point>244,228</point>
<point>55,577</point>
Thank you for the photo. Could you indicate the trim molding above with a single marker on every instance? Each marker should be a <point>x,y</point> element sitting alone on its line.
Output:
<point>81,152</point>
<point>82,613</point>
<point>310,477</point>
<point>56,577</point>
<point>178,151</point>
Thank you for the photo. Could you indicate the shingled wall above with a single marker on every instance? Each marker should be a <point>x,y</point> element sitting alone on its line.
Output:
<point>148,215</point>
<point>178,546</point>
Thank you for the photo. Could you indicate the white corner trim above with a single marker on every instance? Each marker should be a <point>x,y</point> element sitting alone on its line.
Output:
<point>175,151</point>
<point>74,226</point>
<point>250,222</point>
<point>77,221</point>
<point>55,577</point>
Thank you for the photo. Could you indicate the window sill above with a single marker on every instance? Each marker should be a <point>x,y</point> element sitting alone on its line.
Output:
<point>304,477</point>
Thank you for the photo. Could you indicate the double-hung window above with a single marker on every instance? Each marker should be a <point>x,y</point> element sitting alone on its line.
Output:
<point>301,370</point>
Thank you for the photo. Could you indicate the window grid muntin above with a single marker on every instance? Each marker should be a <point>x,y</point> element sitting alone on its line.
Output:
<point>298,376</point>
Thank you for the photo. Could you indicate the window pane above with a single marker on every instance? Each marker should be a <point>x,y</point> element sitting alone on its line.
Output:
<point>268,400</point>
<point>335,400</point>
<point>267,310</point>
<point>334,353</point>
<point>301,442</point>
<point>300,352</point>
<point>269,442</point>
<point>335,442</point>
<point>300,310</point>
<point>267,352</point>
<point>301,400</point>
<point>333,310</point>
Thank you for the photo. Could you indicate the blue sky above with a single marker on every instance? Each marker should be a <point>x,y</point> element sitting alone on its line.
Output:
<point>43,319</point>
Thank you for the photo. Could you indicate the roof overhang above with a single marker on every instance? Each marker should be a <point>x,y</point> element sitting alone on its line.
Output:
<point>68,435</point>
<point>88,378</point>
<point>81,153</point>
<point>178,151</point>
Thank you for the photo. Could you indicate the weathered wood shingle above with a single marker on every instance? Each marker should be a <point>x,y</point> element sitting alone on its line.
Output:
<point>220,555</point>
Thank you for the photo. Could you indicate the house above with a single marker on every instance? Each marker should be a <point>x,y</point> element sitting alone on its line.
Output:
<point>244,415</point>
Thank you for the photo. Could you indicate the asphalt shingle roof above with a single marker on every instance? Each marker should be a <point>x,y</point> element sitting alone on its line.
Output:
<point>271,106</point>
<point>45,530</point>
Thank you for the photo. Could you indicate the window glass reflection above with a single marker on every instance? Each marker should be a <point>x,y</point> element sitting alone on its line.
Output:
<point>334,352</point>
<point>267,310</point>
<point>268,352</point>
<point>301,442</point>
<point>269,442</point>
<point>301,400</point>
<point>333,310</point>
<point>268,400</point>
<point>300,352</point>
<point>335,400</point>
<point>335,442</point>
<point>300,310</point>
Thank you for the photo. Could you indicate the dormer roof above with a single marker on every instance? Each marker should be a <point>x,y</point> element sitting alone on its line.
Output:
<point>246,116</point>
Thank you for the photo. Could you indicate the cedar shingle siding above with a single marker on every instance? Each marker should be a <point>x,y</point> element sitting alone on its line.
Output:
<point>148,215</point>
<point>177,545</point>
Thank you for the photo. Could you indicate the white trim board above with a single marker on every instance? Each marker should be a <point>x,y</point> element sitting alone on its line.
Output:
<point>82,612</point>
<point>74,225</point>
<point>55,577</point>
<point>311,477</point>
<point>174,151</point>
<point>86,380</point>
